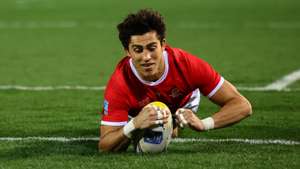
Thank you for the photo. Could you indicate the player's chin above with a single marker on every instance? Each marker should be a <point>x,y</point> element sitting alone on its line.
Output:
<point>149,74</point>
<point>148,70</point>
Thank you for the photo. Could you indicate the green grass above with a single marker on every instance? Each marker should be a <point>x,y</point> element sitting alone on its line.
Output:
<point>195,155</point>
<point>59,42</point>
<point>76,116</point>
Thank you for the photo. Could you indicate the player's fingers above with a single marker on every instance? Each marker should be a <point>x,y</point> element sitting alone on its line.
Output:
<point>152,110</point>
<point>182,119</point>
<point>149,111</point>
<point>165,120</point>
<point>178,119</point>
<point>158,122</point>
<point>179,111</point>
<point>159,115</point>
<point>165,113</point>
<point>179,123</point>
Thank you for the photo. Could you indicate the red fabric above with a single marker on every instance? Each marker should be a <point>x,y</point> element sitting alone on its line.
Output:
<point>126,95</point>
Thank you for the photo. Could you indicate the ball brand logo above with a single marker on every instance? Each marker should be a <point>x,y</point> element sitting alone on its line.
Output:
<point>153,137</point>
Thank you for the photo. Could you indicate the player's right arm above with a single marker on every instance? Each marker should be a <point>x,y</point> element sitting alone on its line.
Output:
<point>112,138</point>
<point>117,138</point>
<point>115,128</point>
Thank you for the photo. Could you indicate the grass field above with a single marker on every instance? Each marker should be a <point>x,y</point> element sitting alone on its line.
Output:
<point>252,43</point>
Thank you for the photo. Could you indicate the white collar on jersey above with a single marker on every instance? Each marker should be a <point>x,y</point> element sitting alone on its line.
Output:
<point>161,79</point>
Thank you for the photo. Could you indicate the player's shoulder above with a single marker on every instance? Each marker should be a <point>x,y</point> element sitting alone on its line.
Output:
<point>177,52</point>
<point>124,62</point>
<point>182,55</point>
<point>122,66</point>
<point>117,79</point>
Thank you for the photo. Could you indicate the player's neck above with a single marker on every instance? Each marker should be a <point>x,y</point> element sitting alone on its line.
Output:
<point>158,75</point>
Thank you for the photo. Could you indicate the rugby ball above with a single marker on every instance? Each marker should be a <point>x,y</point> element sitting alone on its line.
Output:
<point>157,139</point>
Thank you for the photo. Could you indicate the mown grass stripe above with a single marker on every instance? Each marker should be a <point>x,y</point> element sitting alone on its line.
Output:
<point>63,24</point>
<point>176,140</point>
<point>101,88</point>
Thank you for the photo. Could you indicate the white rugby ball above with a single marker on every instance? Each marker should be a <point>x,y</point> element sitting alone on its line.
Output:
<point>155,140</point>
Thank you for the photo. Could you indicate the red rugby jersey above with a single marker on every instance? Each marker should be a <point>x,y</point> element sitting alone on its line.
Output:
<point>126,93</point>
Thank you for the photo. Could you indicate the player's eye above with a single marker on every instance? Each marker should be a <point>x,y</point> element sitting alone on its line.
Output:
<point>152,48</point>
<point>138,49</point>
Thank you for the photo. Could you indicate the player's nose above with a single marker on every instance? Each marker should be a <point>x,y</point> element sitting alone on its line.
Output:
<point>146,56</point>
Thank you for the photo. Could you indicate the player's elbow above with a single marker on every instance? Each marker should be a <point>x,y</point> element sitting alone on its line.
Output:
<point>247,108</point>
<point>109,146</point>
<point>104,146</point>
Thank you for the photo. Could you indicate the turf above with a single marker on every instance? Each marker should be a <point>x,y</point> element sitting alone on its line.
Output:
<point>59,42</point>
<point>84,155</point>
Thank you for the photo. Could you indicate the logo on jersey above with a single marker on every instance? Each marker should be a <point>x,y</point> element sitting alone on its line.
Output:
<point>175,93</point>
<point>105,106</point>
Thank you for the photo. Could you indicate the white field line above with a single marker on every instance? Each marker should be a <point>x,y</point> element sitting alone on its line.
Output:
<point>176,140</point>
<point>278,85</point>
<point>238,140</point>
<point>101,88</point>
<point>284,81</point>
<point>49,88</point>
<point>61,24</point>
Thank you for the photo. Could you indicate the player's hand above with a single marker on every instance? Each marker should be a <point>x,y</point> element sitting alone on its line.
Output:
<point>186,117</point>
<point>150,116</point>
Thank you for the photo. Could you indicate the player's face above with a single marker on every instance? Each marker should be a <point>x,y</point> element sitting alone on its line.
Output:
<point>146,52</point>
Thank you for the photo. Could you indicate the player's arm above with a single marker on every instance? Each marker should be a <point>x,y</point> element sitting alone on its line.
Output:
<point>233,108</point>
<point>118,138</point>
<point>112,138</point>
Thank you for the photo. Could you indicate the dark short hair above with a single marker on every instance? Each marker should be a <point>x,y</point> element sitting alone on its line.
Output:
<point>145,20</point>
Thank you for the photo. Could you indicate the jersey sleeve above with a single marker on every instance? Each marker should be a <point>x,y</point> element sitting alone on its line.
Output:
<point>202,75</point>
<point>115,109</point>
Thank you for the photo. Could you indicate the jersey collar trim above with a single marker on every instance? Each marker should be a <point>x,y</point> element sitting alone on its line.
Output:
<point>161,79</point>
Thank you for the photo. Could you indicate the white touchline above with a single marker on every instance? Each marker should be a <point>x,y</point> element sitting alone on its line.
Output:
<point>176,140</point>
<point>282,83</point>
<point>247,141</point>
<point>102,88</point>
<point>278,85</point>
<point>49,88</point>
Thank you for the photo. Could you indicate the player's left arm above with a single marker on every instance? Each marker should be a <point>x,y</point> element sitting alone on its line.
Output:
<point>233,108</point>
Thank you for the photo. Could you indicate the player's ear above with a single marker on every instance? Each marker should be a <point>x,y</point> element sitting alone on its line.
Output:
<point>163,44</point>
<point>127,52</point>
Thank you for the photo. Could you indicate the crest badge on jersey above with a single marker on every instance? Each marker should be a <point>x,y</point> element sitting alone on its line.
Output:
<point>105,106</point>
<point>175,92</point>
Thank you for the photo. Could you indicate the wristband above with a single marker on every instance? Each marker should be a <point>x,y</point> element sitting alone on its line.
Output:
<point>208,123</point>
<point>128,128</point>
